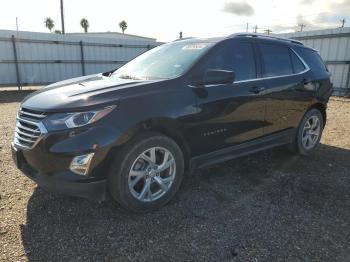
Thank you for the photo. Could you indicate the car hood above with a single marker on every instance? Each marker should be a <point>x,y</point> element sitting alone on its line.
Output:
<point>81,92</point>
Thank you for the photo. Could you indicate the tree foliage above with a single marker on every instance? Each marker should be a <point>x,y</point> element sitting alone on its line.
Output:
<point>49,23</point>
<point>84,23</point>
<point>123,26</point>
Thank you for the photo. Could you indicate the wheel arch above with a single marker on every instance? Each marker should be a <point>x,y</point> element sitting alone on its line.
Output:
<point>322,108</point>
<point>166,126</point>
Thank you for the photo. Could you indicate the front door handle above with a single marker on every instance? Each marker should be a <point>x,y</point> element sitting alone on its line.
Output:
<point>257,89</point>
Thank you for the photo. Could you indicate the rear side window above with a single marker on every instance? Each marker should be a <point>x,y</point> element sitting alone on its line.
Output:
<point>237,57</point>
<point>312,59</point>
<point>276,60</point>
<point>298,66</point>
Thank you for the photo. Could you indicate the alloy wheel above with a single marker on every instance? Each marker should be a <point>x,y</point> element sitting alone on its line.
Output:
<point>152,174</point>
<point>311,132</point>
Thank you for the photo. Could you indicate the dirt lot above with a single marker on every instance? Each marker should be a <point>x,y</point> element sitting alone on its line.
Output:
<point>271,206</point>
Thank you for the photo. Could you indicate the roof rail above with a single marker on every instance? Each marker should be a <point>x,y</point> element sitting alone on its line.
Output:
<point>266,36</point>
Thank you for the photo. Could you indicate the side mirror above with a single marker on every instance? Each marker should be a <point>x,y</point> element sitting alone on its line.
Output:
<point>215,77</point>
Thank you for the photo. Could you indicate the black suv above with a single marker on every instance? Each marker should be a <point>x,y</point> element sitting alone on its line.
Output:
<point>135,131</point>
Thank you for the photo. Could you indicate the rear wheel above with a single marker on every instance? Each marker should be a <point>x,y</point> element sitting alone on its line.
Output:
<point>147,173</point>
<point>309,132</point>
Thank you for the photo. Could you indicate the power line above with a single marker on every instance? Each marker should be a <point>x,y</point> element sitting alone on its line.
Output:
<point>286,20</point>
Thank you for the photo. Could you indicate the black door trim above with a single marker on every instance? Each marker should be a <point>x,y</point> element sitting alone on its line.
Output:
<point>246,148</point>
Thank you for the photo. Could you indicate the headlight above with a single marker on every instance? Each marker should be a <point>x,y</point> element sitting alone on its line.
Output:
<point>71,120</point>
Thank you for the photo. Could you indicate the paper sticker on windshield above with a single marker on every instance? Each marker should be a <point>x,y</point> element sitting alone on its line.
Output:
<point>194,47</point>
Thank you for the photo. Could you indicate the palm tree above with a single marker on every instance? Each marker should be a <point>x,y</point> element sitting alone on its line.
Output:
<point>84,24</point>
<point>49,23</point>
<point>123,26</point>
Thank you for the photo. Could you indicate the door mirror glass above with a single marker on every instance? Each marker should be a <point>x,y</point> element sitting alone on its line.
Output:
<point>215,77</point>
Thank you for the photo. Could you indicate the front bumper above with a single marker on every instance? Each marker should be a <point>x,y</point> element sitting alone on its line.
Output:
<point>63,181</point>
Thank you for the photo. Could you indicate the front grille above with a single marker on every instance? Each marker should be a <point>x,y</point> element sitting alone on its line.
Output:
<point>29,128</point>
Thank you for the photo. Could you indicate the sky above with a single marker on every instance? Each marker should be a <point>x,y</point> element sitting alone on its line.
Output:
<point>164,19</point>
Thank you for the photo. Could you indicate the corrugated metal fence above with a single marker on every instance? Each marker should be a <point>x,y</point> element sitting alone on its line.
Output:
<point>28,58</point>
<point>334,47</point>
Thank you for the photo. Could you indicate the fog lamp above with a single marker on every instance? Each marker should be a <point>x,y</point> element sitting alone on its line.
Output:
<point>80,164</point>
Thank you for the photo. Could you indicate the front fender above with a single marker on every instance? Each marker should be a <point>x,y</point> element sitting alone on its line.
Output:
<point>82,141</point>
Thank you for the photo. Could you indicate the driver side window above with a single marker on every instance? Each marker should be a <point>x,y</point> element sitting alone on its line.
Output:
<point>237,57</point>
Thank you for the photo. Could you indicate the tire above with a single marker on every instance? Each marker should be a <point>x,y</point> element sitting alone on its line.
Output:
<point>303,145</point>
<point>134,181</point>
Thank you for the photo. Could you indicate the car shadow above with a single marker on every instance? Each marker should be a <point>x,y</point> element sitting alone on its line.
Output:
<point>13,96</point>
<point>215,216</point>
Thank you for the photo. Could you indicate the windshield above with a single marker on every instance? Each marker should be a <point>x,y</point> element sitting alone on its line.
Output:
<point>163,62</point>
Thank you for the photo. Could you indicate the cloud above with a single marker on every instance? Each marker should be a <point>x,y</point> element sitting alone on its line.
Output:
<point>341,8</point>
<point>282,28</point>
<point>322,21</point>
<point>307,2</point>
<point>241,8</point>
<point>301,20</point>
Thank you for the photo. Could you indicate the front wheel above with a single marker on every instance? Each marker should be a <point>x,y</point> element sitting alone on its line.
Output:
<point>147,173</point>
<point>309,132</point>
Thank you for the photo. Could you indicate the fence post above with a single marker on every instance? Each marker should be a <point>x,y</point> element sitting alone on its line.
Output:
<point>19,85</point>
<point>347,84</point>
<point>82,58</point>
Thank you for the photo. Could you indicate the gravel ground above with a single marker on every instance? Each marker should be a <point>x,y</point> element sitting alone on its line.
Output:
<point>271,206</point>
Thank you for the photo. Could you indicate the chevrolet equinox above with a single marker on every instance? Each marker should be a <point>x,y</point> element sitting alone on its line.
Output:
<point>133,132</point>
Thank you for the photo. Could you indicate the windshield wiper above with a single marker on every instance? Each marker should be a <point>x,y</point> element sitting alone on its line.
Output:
<point>126,76</point>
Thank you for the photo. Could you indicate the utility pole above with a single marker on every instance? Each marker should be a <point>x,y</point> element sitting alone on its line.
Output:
<point>255,29</point>
<point>268,31</point>
<point>247,27</point>
<point>301,27</point>
<point>62,17</point>
<point>180,35</point>
<point>343,21</point>
<point>17,24</point>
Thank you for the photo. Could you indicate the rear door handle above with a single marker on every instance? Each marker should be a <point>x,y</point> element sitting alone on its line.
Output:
<point>257,89</point>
